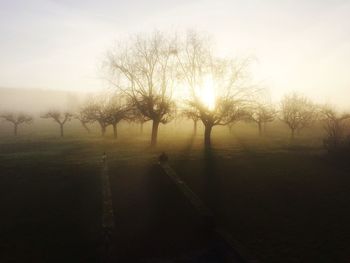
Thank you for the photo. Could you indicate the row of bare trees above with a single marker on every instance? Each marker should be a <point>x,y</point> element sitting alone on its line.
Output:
<point>147,69</point>
<point>104,110</point>
<point>296,111</point>
<point>18,119</point>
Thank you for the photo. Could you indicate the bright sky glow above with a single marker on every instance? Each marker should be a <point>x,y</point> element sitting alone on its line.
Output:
<point>206,93</point>
<point>300,45</point>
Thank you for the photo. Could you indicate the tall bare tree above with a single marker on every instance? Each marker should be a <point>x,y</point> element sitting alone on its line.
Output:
<point>298,112</point>
<point>16,120</point>
<point>145,71</point>
<point>262,113</point>
<point>335,125</point>
<point>226,79</point>
<point>59,117</point>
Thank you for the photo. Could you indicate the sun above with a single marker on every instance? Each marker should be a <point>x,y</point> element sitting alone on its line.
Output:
<point>207,93</point>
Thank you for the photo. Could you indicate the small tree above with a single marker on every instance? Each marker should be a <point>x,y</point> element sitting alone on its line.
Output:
<point>298,112</point>
<point>241,114</point>
<point>17,119</point>
<point>261,114</point>
<point>116,110</point>
<point>59,117</point>
<point>94,110</point>
<point>138,117</point>
<point>193,115</point>
<point>83,118</point>
<point>335,125</point>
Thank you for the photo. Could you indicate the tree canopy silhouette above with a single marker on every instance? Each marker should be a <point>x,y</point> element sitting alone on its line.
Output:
<point>16,120</point>
<point>145,70</point>
<point>226,80</point>
<point>335,125</point>
<point>298,112</point>
<point>60,117</point>
<point>261,113</point>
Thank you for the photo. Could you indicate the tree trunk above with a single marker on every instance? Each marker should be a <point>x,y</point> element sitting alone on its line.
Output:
<point>207,133</point>
<point>115,132</point>
<point>141,127</point>
<point>103,130</point>
<point>230,126</point>
<point>260,128</point>
<point>293,134</point>
<point>195,127</point>
<point>15,129</point>
<point>61,130</point>
<point>85,127</point>
<point>154,135</point>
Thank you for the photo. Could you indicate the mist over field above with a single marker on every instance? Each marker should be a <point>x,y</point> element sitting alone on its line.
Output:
<point>174,131</point>
<point>36,100</point>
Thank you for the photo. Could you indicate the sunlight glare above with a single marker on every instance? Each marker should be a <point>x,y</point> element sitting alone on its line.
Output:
<point>207,93</point>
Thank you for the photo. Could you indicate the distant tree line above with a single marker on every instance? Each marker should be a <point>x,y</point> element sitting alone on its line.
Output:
<point>296,111</point>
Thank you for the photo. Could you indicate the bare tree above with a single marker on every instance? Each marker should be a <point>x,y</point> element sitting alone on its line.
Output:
<point>138,117</point>
<point>298,112</point>
<point>242,114</point>
<point>145,71</point>
<point>116,109</point>
<point>106,110</point>
<point>335,125</point>
<point>17,119</point>
<point>83,118</point>
<point>59,117</point>
<point>218,88</point>
<point>193,115</point>
<point>94,110</point>
<point>262,113</point>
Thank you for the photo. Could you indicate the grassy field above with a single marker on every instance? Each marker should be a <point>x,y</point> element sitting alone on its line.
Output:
<point>284,202</point>
<point>49,202</point>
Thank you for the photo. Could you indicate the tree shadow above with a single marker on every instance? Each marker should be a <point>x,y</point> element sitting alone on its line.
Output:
<point>189,146</point>
<point>209,183</point>
<point>211,178</point>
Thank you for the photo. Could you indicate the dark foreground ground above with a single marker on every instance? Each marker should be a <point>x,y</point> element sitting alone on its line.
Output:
<point>52,205</point>
<point>155,223</point>
<point>283,204</point>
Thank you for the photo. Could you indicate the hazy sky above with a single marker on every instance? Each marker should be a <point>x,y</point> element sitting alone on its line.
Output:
<point>300,45</point>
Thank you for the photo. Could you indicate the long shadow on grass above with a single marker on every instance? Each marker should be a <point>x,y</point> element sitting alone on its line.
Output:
<point>188,148</point>
<point>211,178</point>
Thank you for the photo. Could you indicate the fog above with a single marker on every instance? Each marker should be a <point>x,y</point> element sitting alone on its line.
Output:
<point>36,101</point>
<point>174,131</point>
<point>299,45</point>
